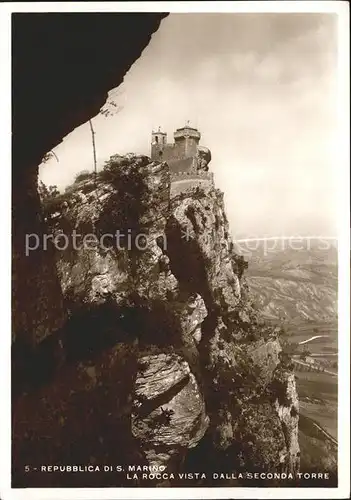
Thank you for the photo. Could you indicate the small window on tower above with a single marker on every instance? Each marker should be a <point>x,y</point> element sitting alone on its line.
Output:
<point>160,153</point>
<point>156,138</point>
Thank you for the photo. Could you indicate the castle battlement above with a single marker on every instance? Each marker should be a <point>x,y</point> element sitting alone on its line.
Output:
<point>183,182</point>
<point>186,159</point>
<point>186,132</point>
<point>179,176</point>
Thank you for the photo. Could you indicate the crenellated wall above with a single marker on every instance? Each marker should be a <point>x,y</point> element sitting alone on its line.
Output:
<point>177,177</point>
<point>184,181</point>
<point>180,155</point>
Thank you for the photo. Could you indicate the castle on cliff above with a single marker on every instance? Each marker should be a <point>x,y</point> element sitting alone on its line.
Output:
<point>187,160</point>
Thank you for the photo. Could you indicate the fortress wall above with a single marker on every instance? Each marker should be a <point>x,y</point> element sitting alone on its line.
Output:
<point>163,152</point>
<point>170,152</point>
<point>190,146</point>
<point>184,182</point>
<point>184,165</point>
<point>177,177</point>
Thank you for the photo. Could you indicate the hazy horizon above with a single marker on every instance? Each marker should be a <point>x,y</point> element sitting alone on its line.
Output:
<point>261,90</point>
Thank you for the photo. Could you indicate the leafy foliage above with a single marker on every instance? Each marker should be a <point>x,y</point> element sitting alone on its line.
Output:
<point>48,156</point>
<point>129,202</point>
<point>82,176</point>
<point>47,192</point>
<point>305,353</point>
<point>111,108</point>
<point>239,264</point>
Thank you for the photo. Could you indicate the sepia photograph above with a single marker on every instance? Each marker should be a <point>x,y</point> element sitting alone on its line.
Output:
<point>179,265</point>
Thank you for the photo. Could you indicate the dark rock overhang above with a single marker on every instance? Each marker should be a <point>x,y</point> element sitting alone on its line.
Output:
<point>63,65</point>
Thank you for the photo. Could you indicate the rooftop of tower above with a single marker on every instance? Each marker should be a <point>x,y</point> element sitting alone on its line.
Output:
<point>187,130</point>
<point>159,131</point>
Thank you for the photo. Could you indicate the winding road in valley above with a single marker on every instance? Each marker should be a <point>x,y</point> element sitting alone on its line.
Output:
<point>315,368</point>
<point>312,338</point>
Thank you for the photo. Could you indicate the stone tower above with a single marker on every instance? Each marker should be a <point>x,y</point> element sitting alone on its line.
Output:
<point>187,140</point>
<point>158,143</point>
<point>182,153</point>
<point>186,159</point>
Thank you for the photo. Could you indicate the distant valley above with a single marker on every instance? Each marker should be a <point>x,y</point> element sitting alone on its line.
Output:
<point>291,284</point>
<point>298,290</point>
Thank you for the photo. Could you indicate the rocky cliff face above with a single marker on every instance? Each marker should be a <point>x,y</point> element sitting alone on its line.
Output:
<point>163,361</point>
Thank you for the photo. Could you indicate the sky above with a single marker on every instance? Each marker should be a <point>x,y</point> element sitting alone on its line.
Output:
<point>261,90</point>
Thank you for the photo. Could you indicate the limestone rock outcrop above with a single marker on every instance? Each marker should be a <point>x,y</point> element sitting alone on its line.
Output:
<point>169,411</point>
<point>287,408</point>
<point>165,308</point>
<point>203,158</point>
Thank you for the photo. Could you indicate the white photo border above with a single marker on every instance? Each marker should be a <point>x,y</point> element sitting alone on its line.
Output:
<point>342,158</point>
